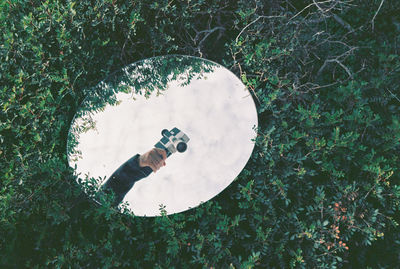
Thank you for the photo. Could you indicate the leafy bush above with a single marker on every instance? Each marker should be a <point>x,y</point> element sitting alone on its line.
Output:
<point>321,188</point>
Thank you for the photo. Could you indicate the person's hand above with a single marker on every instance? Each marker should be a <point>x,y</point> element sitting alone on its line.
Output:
<point>155,158</point>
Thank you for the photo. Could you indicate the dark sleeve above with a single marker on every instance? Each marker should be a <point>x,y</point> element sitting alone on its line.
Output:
<point>122,180</point>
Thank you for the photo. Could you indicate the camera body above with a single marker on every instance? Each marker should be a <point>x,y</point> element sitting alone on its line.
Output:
<point>173,141</point>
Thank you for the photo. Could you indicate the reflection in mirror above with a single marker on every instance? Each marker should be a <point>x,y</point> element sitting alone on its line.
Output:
<point>167,132</point>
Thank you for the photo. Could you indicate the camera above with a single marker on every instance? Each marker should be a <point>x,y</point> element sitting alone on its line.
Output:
<point>173,141</point>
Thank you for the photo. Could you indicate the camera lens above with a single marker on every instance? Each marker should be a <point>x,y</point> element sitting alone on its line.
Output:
<point>181,147</point>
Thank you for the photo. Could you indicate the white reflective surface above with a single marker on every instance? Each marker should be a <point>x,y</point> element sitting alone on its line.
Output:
<point>215,111</point>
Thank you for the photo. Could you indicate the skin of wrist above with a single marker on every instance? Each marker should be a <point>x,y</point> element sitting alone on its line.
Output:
<point>140,161</point>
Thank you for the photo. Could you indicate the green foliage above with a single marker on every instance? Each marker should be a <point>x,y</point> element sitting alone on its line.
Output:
<point>321,189</point>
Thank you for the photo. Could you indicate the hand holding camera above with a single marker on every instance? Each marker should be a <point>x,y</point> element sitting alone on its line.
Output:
<point>171,142</point>
<point>154,158</point>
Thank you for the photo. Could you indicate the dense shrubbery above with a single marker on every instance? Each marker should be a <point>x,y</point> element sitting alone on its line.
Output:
<point>321,189</point>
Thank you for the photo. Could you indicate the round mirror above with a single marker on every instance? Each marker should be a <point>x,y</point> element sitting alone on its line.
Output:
<point>189,119</point>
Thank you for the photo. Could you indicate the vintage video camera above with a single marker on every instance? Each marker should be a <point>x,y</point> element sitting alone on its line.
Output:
<point>173,141</point>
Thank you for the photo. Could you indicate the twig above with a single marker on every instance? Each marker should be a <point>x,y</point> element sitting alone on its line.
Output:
<point>327,1</point>
<point>336,60</point>
<point>267,17</point>
<point>324,86</point>
<point>362,136</point>
<point>320,9</point>
<point>209,32</point>
<point>344,67</point>
<point>373,19</point>
<point>342,22</point>
<point>394,95</point>
<point>376,183</point>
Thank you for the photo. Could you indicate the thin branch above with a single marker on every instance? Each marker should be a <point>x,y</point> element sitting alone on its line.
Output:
<point>394,95</point>
<point>320,9</point>
<point>342,22</point>
<point>209,32</point>
<point>301,11</point>
<point>338,61</point>
<point>373,19</point>
<point>267,17</point>
<point>324,86</point>
<point>344,67</point>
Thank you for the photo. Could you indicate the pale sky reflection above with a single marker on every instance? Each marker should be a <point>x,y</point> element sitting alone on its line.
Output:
<point>217,113</point>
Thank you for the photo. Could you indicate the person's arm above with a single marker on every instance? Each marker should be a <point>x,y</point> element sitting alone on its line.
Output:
<point>136,168</point>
